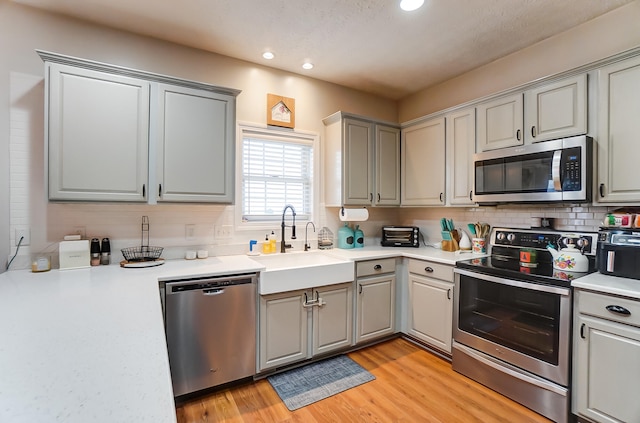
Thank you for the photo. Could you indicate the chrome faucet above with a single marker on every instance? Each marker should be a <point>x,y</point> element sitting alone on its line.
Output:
<point>307,247</point>
<point>283,245</point>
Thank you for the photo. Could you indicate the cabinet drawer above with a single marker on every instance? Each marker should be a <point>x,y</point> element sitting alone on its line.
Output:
<point>431,269</point>
<point>596,305</point>
<point>375,267</point>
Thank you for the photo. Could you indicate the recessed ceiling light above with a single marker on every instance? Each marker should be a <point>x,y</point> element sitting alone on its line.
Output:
<point>268,55</point>
<point>307,65</point>
<point>410,5</point>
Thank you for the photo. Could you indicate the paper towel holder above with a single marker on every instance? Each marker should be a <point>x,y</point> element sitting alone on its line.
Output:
<point>353,215</point>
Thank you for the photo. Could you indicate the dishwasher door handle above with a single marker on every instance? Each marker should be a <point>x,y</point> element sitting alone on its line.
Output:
<point>213,291</point>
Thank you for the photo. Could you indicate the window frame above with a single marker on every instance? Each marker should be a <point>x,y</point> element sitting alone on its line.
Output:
<point>271,132</point>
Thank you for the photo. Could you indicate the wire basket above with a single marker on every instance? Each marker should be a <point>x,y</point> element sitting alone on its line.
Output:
<point>144,253</point>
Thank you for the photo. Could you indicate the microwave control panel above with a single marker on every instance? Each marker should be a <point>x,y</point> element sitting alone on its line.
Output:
<point>571,169</point>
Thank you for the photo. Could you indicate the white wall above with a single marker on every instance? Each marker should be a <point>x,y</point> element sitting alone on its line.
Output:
<point>23,29</point>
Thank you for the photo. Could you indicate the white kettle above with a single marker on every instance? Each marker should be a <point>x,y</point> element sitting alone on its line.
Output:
<point>569,258</point>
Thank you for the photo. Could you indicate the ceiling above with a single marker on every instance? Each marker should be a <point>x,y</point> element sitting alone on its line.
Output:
<point>369,45</point>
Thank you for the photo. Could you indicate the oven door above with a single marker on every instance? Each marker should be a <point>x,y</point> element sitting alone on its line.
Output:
<point>525,324</point>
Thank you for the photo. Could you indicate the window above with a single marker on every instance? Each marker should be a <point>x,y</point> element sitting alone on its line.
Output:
<point>277,169</point>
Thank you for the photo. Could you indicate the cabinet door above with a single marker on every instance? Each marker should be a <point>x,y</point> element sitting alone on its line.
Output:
<point>618,129</point>
<point>358,162</point>
<point>423,165</point>
<point>98,135</point>
<point>283,329</point>
<point>332,318</point>
<point>556,110</point>
<point>606,370</point>
<point>387,169</point>
<point>376,307</point>
<point>461,144</point>
<point>431,311</point>
<point>195,148</point>
<point>500,123</point>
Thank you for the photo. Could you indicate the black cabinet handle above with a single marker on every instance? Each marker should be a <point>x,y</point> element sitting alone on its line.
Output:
<point>159,190</point>
<point>377,267</point>
<point>370,196</point>
<point>470,195</point>
<point>618,310</point>
<point>441,194</point>
<point>360,289</point>
<point>518,135</point>
<point>533,131</point>
<point>144,190</point>
<point>378,197</point>
<point>449,294</point>
<point>428,269</point>
<point>582,331</point>
<point>601,189</point>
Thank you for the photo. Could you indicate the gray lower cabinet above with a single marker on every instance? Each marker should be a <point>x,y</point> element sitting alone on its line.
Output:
<point>376,297</point>
<point>606,358</point>
<point>430,311</point>
<point>297,325</point>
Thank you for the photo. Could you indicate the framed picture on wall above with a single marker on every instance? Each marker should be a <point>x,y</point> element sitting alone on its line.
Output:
<point>281,111</point>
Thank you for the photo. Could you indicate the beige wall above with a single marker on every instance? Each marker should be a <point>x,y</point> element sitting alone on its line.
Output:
<point>23,29</point>
<point>605,36</point>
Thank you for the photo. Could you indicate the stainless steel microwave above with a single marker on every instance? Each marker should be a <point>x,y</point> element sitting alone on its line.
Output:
<point>557,170</point>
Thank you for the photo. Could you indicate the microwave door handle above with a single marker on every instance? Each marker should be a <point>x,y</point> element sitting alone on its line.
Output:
<point>556,162</point>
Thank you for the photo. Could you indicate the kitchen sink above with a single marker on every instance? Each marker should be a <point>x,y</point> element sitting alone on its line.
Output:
<point>301,270</point>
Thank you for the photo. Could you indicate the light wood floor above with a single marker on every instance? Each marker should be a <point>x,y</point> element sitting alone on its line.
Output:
<point>412,385</point>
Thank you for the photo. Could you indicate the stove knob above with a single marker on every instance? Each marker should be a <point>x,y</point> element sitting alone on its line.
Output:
<point>500,236</point>
<point>511,237</point>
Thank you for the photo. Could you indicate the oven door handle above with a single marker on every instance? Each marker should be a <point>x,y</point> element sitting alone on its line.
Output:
<point>515,283</point>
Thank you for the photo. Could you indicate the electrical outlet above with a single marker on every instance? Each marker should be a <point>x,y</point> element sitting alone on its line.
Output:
<point>80,230</point>
<point>222,231</point>
<point>25,234</point>
<point>190,232</point>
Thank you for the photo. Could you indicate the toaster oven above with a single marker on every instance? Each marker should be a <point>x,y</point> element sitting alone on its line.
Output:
<point>400,236</point>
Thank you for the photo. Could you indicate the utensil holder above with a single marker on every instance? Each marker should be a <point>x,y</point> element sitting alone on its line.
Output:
<point>479,245</point>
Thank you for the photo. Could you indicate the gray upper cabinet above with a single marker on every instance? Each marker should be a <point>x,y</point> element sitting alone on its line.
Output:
<point>423,164</point>
<point>195,154</point>
<point>548,111</point>
<point>461,139</point>
<point>362,162</point>
<point>117,134</point>
<point>618,129</point>
<point>98,135</point>
<point>556,110</point>
<point>500,123</point>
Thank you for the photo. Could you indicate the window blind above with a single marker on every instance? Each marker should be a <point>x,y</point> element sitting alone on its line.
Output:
<point>276,171</point>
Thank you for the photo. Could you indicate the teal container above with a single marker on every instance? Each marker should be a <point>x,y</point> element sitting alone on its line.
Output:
<point>359,237</point>
<point>346,237</point>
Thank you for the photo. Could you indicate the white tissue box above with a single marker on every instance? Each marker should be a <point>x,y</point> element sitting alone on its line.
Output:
<point>74,254</point>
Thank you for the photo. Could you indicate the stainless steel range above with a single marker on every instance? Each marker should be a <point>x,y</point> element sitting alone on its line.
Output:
<point>512,318</point>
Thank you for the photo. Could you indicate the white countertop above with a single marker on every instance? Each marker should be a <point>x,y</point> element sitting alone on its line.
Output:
<point>88,345</point>
<point>606,284</point>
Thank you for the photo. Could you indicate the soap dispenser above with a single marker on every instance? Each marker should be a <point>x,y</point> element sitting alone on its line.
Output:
<point>359,237</point>
<point>345,237</point>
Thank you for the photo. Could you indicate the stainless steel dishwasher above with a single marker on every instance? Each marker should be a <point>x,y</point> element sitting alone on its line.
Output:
<point>211,330</point>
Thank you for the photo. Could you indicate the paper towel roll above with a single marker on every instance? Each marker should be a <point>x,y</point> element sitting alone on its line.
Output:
<point>353,215</point>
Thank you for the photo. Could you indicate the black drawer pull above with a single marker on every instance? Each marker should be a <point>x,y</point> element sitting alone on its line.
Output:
<point>449,294</point>
<point>377,267</point>
<point>601,189</point>
<point>428,269</point>
<point>582,331</point>
<point>360,289</point>
<point>144,190</point>
<point>533,131</point>
<point>518,135</point>
<point>618,310</point>
<point>470,195</point>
